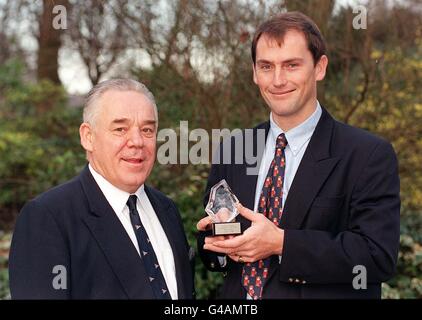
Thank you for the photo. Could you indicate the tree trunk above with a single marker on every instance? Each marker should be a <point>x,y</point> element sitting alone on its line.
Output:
<point>49,43</point>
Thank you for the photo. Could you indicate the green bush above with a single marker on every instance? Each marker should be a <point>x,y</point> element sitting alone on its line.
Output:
<point>4,275</point>
<point>408,282</point>
<point>39,142</point>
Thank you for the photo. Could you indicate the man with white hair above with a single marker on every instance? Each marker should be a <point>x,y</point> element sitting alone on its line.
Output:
<point>105,234</point>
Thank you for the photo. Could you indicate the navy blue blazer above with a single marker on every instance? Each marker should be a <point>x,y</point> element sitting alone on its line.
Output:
<point>74,226</point>
<point>342,210</point>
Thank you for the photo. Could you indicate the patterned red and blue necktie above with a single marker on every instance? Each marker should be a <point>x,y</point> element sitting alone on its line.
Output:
<point>255,274</point>
<point>155,276</point>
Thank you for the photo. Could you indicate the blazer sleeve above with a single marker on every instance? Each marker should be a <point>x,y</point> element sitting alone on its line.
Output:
<point>372,236</point>
<point>39,265</point>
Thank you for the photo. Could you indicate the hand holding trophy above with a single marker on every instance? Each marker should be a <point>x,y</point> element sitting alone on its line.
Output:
<point>222,209</point>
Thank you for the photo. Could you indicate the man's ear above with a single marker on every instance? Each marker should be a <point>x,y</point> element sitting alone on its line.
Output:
<point>321,68</point>
<point>254,74</point>
<point>87,136</point>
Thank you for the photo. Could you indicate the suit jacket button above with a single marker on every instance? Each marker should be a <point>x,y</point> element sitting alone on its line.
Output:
<point>297,280</point>
<point>290,279</point>
<point>303,282</point>
<point>212,265</point>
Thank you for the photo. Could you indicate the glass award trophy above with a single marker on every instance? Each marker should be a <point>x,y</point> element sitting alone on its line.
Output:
<point>222,209</point>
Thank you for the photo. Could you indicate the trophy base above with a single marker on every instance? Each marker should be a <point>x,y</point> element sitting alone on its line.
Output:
<point>226,228</point>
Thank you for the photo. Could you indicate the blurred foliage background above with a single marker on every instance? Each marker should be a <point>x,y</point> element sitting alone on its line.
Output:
<point>194,56</point>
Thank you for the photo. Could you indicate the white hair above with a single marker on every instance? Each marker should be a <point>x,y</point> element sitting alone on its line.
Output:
<point>91,108</point>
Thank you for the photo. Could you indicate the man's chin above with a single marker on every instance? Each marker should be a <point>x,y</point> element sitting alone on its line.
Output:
<point>132,186</point>
<point>285,110</point>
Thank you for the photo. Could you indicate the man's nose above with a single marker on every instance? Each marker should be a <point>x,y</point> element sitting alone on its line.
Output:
<point>280,78</point>
<point>135,138</point>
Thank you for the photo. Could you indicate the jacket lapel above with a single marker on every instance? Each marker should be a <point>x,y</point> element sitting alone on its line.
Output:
<point>313,171</point>
<point>112,238</point>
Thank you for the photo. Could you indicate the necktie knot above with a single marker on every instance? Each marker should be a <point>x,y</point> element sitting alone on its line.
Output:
<point>131,203</point>
<point>281,141</point>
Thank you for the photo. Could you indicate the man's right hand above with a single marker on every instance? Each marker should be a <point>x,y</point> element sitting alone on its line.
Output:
<point>204,225</point>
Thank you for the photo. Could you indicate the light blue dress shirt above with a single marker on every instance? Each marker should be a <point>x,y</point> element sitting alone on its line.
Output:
<point>297,140</point>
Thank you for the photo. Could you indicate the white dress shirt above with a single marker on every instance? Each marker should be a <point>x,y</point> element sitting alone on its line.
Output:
<point>117,199</point>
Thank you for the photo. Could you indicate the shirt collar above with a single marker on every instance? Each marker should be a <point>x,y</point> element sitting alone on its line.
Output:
<point>299,135</point>
<point>116,197</point>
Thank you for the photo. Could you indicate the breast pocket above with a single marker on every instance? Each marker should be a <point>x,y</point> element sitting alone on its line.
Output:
<point>324,213</point>
<point>328,202</point>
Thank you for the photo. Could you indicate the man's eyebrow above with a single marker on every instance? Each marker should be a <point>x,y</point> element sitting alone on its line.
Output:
<point>294,59</point>
<point>262,61</point>
<point>126,120</point>
<point>120,121</point>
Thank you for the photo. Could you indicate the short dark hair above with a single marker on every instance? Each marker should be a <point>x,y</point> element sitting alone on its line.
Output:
<point>276,28</point>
